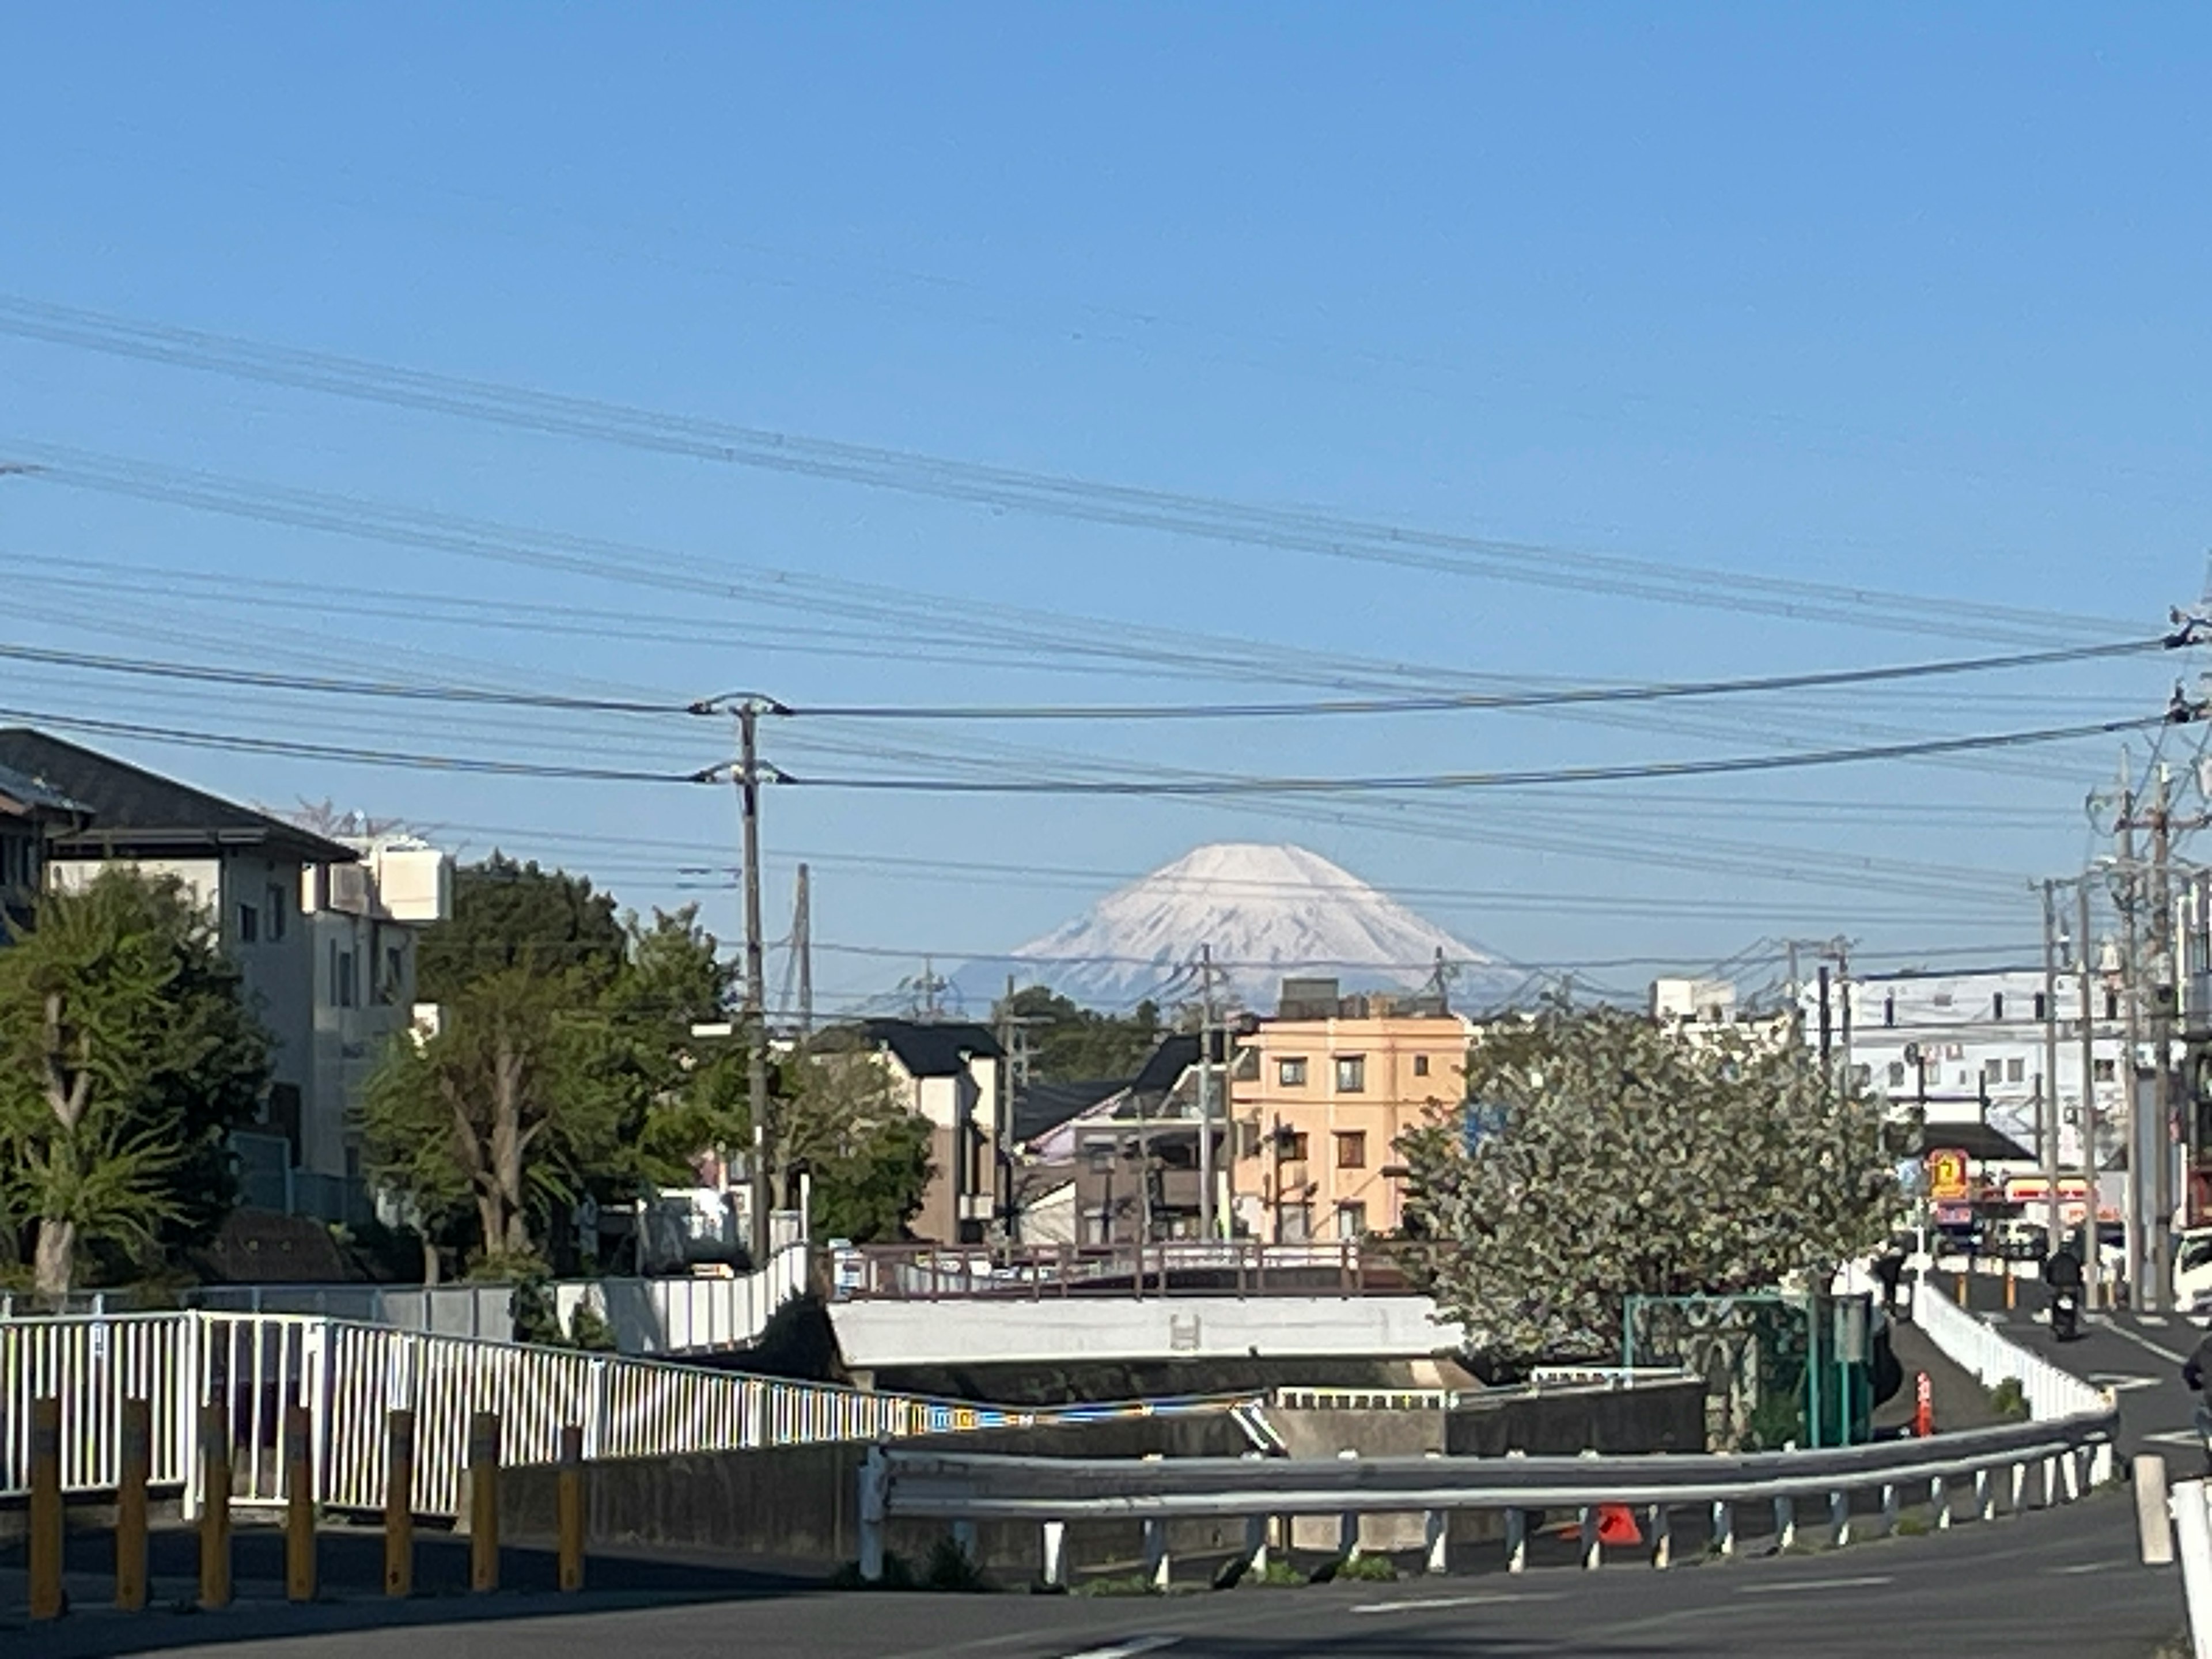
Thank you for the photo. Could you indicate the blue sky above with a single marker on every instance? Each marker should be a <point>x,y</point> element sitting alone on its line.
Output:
<point>1904,300</point>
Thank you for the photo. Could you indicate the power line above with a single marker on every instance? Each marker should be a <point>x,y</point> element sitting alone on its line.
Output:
<point>261,680</point>
<point>1319,532</point>
<point>283,746</point>
<point>1443,702</point>
<point>1422,782</point>
<point>151,668</point>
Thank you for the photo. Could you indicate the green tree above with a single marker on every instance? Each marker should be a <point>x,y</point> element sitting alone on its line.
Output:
<point>563,1064</point>
<point>1070,1043</point>
<point>841,1119</point>
<point>508,914</point>
<point>126,1054</point>
<point>1602,1155</point>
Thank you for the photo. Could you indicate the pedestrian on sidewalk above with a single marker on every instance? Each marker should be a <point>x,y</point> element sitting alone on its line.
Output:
<point>1889,1273</point>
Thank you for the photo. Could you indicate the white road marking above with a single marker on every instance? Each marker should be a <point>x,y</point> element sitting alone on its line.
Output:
<point>1814,1586</point>
<point>2175,1437</point>
<point>1129,1649</point>
<point>2090,1566</point>
<point>2143,1341</point>
<point>2150,1319</point>
<point>2121,1382</point>
<point>1432,1603</point>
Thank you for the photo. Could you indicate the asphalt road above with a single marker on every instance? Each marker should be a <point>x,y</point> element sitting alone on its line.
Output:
<point>2062,1582</point>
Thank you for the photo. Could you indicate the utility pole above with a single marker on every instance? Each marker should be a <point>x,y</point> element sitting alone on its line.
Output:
<point>2149,1270</point>
<point>802,945</point>
<point>2050,1118</point>
<point>2161,1019</point>
<point>756,974</point>
<point>2093,1265</point>
<point>1205,1226</point>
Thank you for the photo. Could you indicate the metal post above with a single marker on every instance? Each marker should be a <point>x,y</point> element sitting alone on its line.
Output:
<point>215,1512</point>
<point>2192,1532</point>
<point>1056,1551</point>
<point>45,1543</point>
<point>299,1505</point>
<point>399,1502</point>
<point>569,1507</point>
<point>1724,1529</point>
<point>2153,1520</point>
<point>131,1574</point>
<point>483,1502</point>
<point>874,1481</point>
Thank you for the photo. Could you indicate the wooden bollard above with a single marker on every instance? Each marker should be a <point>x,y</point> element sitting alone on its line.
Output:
<point>483,1501</point>
<point>570,1497</point>
<point>214,1509</point>
<point>45,1553</point>
<point>131,1505</point>
<point>298,1504</point>
<point>399,1502</point>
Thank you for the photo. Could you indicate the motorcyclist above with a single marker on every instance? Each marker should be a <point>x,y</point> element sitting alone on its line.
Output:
<point>2062,1276</point>
<point>2196,1372</point>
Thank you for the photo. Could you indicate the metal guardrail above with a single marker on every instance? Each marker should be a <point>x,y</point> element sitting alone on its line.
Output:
<point>1544,1380</point>
<point>1053,1491</point>
<point>349,1375</point>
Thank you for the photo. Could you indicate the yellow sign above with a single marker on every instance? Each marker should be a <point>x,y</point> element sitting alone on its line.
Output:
<point>1946,1176</point>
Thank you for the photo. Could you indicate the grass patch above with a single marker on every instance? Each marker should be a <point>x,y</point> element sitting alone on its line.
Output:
<point>1913,1525</point>
<point>948,1569</point>
<point>2008,1401</point>
<point>1130,1583</point>
<point>1278,1574</point>
<point>1369,1570</point>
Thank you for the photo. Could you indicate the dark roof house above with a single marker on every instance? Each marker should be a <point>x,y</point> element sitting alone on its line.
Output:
<point>135,813</point>
<point>1040,1108</point>
<point>932,1048</point>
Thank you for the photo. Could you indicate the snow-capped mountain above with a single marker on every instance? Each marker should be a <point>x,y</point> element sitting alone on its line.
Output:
<point>1265,911</point>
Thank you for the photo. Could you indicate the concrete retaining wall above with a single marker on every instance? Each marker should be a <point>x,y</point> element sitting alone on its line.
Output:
<point>877,1335</point>
<point>799,1502</point>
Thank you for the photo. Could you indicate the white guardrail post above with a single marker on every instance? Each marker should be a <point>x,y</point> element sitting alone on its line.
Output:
<point>2193,1529</point>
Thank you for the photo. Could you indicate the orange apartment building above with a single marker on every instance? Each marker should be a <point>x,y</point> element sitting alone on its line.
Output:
<point>1322,1093</point>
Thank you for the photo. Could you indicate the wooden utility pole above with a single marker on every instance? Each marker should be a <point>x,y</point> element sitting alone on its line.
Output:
<point>756,1009</point>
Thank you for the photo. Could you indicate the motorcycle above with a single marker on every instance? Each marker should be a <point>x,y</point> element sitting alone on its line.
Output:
<point>2065,1314</point>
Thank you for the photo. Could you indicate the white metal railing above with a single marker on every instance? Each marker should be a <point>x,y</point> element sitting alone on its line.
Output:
<point>687,1315</point>
<point>349,1375</point>
<point>1990,1357</point>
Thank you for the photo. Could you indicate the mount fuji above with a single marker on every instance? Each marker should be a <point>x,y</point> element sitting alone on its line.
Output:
<point>1264,911</point>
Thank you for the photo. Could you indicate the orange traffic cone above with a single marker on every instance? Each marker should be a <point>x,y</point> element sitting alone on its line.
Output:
<point>1616,1524</point>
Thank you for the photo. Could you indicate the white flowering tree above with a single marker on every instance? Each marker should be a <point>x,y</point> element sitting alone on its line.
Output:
<point>1602,1155</point>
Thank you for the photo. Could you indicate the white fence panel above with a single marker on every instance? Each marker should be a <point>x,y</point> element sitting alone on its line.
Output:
<point>1990,1357</point>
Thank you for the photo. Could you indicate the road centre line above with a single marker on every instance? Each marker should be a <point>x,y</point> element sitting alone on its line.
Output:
<point>2143,1341</point>
<point>1434,1603</point>
<point>1814,1586</point>
<point>1129,1649</point>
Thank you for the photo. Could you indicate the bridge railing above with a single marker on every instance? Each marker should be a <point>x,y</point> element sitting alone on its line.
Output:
<point>1054,1492</point>
<point>1171,1267</point>
<point>349,1375</point>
